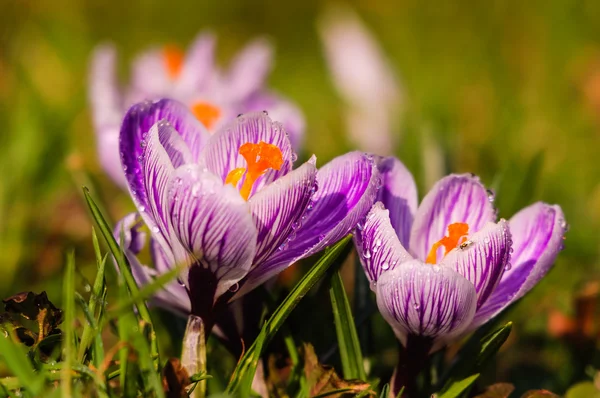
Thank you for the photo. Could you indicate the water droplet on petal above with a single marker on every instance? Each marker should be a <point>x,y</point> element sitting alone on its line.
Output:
<point>507,267</point>
<point>367,254</point>
<point>385,266</point>
<point>234,288</point>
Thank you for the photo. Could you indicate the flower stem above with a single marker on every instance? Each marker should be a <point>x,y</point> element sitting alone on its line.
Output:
<point>193,355</point>
<point>411,361</point>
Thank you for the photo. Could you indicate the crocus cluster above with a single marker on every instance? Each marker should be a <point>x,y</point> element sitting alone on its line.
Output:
<point>447,266</point>
<point>213,95</point>
<point>229,206</point>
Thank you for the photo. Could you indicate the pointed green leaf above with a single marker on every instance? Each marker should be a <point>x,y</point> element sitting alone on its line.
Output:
<point>349,346</point>
<point>475,354</point>
<point>241,380</point>
<point>69,348</point>
<point>123,265</point>
<point>457,388</point>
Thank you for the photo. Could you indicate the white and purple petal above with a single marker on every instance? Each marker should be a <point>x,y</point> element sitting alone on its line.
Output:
<point>277,211</point>
<point>278,208</point>
<point>249,70</point>
<point>199,64</point>
<point>284,111</point>
<point>457,198</point>
<point>214,224</point>
<point>537,234</point>
<point>398,193</point>
<point>221,154</point>
<point>482,258</point>
<point>106,105</point>
<point>347,187</point>
<point>429,301</point>
<point>377,245</point>
<point>173,296</point>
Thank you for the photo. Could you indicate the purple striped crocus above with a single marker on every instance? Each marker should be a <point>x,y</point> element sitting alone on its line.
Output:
<point>229,205</point>
<point>447,266</point>
<point>213,95</point>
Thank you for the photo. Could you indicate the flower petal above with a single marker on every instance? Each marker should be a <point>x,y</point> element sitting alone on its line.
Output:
<point>250,69</point>
<point>377,245</point>
<point>537,234</point>
<point>347,189</point>
<point>106,103</point>
<point>284,111</point>
<point>431,301</point>
<point>149,75</point>
<point>221,154</point>
<point>277,210</point>
<point>482,258</point>
<point>199,65</point>
<point>164,150</point>
<point>135,139</point>
<point>213,223</point>
<point>455,198</point>
<point>398,194</point>
<point>173,296</point>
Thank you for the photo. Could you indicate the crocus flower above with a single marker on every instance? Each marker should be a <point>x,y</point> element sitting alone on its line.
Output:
<point>447,267</point>
<point>365,80</point>
<point>229,205</point>
<point>213,95</point>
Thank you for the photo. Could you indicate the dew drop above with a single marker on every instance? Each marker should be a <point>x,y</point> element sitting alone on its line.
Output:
<point>385,266</point>
<point>234,288</point>
<point>491,195</point>
<point>367,254</point>
<point>294,156</point>
<point>507,267</point>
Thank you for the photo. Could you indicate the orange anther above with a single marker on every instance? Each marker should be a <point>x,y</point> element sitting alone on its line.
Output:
<point>173,59</point>
<point>456,232</point>
<point>259,158</point>
<point>206,113</point>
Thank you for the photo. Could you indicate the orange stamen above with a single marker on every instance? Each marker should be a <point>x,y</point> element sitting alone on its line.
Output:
<point>206,113</point>
<point>259,158</point>
<point>173,59</point>
<point>456,232</point>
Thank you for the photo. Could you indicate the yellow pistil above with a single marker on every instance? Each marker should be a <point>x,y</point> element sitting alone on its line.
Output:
<point>206,113</point>
<point>456,232</point>
<point>173,59</point>
<point>259,158</point>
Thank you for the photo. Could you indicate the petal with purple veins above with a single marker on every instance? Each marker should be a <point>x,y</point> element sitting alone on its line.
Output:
<point>457,198</point>
<point>430,301</point>
<point>284,111</point>
<point>482,258</point>
<point>537,234</point>
<point>347,187</point>
<point>277,211</point>
<point>398,194</point>
<point>213,223</point>
<point>377,245</point>
<point>221,154</point>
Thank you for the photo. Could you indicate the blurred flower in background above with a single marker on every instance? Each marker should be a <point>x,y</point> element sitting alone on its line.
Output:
<point>214,95</point>
<point>364,78</point>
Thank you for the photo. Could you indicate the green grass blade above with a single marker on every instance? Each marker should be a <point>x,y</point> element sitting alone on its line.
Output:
<point>144,293</point>
<point>241,380</point>
<point>349,346</point>
<point>474,355</point>
<point>124,267</point>
<point>457,388</point>
<point>90,330</point>
<point>69,349</point>
<point>15,359</point>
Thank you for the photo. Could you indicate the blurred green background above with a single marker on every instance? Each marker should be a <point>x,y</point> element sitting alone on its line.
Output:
<point>508,90</point>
